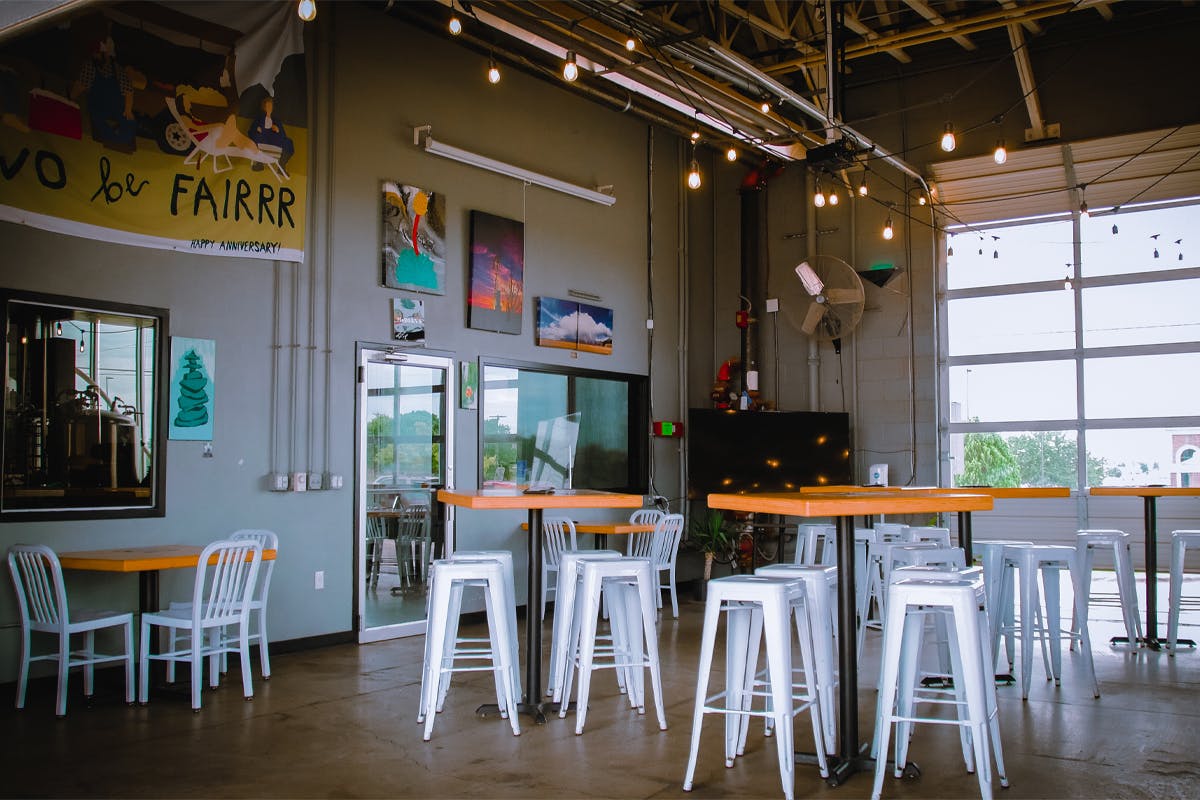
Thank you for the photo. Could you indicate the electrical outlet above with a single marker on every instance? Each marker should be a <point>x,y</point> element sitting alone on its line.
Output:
<point>299,481</point>
<point>314,482</point>
<point>279,482</point>
<point>319,579</point>
<point>335,481</point>
<point>772,305</point>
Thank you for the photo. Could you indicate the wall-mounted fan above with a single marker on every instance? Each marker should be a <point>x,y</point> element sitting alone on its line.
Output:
<point>826,299</point>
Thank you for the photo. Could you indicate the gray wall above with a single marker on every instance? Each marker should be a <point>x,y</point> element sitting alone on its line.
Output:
<point>367,101</point>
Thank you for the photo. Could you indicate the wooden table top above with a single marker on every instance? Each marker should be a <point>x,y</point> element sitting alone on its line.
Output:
<point>515,498</point>
<point>1145,491</point>
<point>606,528</point>
<point>846,504</point>
<point>139,559</point>
<point>994,491</point>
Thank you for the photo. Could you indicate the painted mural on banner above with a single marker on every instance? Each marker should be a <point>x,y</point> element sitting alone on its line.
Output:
<point>178,126</point>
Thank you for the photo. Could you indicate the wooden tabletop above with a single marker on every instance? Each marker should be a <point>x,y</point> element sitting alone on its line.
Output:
<point>1145,491</point>
<point>515,498</point>
<point>846,504</point>
<point>999,492</point>
<point>139,559</point>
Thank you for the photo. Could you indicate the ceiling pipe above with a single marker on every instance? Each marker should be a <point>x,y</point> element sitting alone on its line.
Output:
<point>813,111</point>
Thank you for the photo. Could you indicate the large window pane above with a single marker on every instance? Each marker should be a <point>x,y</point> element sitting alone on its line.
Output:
<point>603,433</point>
<point>1013,392</point>
<point>1140,234</point>
<point>1029,458</point>
<point>1142,386</point>
<point>1143,313</point>
<point>1012,323</point>
<point>1141,456</point>
<point>1021,254</point>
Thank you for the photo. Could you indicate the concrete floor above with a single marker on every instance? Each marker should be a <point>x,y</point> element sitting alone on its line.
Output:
<point>341,722</point>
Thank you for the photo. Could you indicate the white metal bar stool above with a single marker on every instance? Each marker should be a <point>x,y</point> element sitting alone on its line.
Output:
<point>815,544</point>
<point>990,554</point>
<point>629,585</point>
<point>821,587</point>
<point>774,601</point>
<point>1047,560</point>
<point>930,533</point>
<point>447,581</point>
<point>878,567</point>
<point>510,603</point>
<point>909,601</point>
<point>564,598</point>
<point>1180,541</point>
<point>1117,542</point>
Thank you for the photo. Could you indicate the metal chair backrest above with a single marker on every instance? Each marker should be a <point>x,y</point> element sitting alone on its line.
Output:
<point>268,541</point>
<point>558,534</point>
<point>225,587</point>
<point>639,543</point>
<point>664,546</point>
<point>414,523</point>
<point>376,529</point>
<point>41,593</point>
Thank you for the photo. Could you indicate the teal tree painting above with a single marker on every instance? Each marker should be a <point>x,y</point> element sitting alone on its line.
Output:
<point>193,363</point>
<point>414,238</point>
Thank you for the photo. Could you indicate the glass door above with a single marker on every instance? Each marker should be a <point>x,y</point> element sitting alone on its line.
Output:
<point>405,444</point>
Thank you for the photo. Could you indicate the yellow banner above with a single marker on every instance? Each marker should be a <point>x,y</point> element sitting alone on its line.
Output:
<point>113,128</point>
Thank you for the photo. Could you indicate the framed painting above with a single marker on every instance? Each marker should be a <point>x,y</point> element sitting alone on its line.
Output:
<point>408,320</point>
<point>193,390</point>
<point>595,326</point>
<point>468,385</point>
<point>496,296</point>
<point>414,238</point>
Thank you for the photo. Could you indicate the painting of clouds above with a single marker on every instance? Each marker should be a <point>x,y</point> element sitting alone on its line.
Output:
<point>595,325</point>
<point>414,238</point>
<point>497,294</point>
<point>557,323</point>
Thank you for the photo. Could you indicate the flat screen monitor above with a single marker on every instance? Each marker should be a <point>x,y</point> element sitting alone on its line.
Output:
<point>765,451</point>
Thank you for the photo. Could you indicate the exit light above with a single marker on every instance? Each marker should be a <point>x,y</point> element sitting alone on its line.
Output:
<point>668,429</point>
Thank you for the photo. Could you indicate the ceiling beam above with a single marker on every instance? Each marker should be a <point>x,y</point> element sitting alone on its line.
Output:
<point>922,8</point>
<point>856,25</point>
<point>1037,123</point>
<point>1030,25</point>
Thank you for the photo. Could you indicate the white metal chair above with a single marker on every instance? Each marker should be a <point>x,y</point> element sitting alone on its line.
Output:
<point>225,579</point>
<point>377,536</point>
<point>42,599</point>
<point>663,551</point>
<point>268,540</point>
<point>414,543</point>
<point>816,545</point>
<point>1180,542</point>
<point>638,542</point>
<point>558,534</point>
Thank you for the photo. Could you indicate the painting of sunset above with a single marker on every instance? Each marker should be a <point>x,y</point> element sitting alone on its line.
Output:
<point>497,294</point>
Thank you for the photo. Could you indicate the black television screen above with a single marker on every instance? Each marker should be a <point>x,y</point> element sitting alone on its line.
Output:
<point>765,451</point>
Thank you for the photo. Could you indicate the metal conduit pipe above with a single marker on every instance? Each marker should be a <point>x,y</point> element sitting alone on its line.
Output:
<point>814,351</point>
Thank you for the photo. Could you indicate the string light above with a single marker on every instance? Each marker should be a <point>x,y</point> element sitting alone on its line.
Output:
<point>819,196</point>
<point>630,44</point>
<point>731,154</point>
<point>58,329</point>
<point>1000,155</point>
<point>693,177</point>
<point>766,107</point>
<point>570,70</point>
<point>81,345</point>
<point>921,199</point>
<point>1067,282</point>
<point>493,71</point>
<point>307,10</point>
<point>950,251</point>
<point>948,142</point>
<point>695,136</point>
<point>833,197</point>
<point>1155,236</point>
<point>862,187</point>
<point>888,231</point>
<point>455,24</point>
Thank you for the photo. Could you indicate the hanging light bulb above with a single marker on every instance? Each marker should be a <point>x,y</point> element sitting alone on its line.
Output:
<point>81,345</point>
<point>950,251</point>
<point>948,142</point>
<point>1000,154</point>
<point>995,254</point>
<point>819,197</point>
<point>888,231</point>
<point>1083,211</point>
<point>570,70</point>
<point>630,44</point>
<point>921,199</point>
<point>1156,252</point>
<point>693,178</point>
<point>455,24</point>
<point>1114,229</point>
<point>493,71</point>
<point>731,154</point>
<point>862,187</point>
<point>833,198</point>
<point>695,136</point>
<point>1067,283</point>
<point>58,329</point>
<point>307,10</point>
<point>766,107</point>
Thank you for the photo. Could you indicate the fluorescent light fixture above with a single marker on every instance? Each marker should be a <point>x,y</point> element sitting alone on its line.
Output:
<point>483,162</point>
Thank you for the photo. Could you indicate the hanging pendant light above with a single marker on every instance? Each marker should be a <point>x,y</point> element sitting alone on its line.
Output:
<point>570,70</point>
<point>1000,154</point>
<point>948,142</point>
<point>888,230</point>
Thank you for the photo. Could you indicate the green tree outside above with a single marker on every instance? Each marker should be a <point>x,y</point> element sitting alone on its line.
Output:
<point>1044,458</point>
<point>987,461</point>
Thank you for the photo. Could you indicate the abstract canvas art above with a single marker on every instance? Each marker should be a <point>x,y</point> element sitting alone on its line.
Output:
<point>414,238</point>
<point>574,326</point>
<point>408,320</point>
<point>497,294</point>
<point>193,364</point>
<point>469,385</point>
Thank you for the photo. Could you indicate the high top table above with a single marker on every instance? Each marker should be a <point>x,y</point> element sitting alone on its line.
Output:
<point>1149,495</point>
<point>844,506</point>
<point>531,704</point>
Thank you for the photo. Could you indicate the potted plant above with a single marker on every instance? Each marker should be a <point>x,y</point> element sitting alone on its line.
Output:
<point>710,535</point>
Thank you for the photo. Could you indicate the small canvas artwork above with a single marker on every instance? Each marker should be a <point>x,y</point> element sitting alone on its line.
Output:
<point>574,326</point>
<point>497,282</point>
<point>595,329</point>
<point>414,238</point>
<point>193,364</point>
<point>408,320</point>
<point>557,323</point>
<point>468,385</point>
